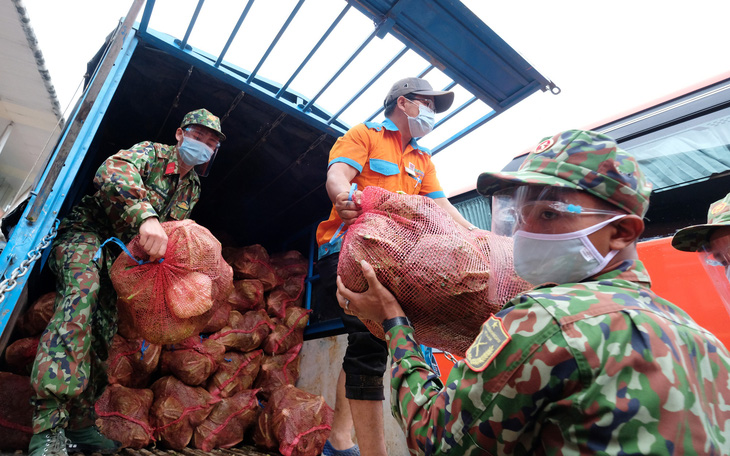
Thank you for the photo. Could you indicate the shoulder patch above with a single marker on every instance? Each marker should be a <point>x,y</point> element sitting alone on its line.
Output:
<point>490,341</point>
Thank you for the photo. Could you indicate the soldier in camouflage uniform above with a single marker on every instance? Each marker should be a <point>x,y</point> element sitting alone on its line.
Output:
<point>136,190</point>
<point>590,361</point>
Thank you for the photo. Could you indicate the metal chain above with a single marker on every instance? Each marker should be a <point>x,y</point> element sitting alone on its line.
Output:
<point>11,282</point>
<point>450,357</point>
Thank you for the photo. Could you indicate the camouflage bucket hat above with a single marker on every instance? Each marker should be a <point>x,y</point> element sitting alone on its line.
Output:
<point>694,238</point>
<point>579,159</point>
<point>205,118</point>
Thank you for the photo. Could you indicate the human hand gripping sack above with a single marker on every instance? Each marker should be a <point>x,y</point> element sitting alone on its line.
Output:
<point>348,210</point>
<point>152,238</point>
<point>376,303</point>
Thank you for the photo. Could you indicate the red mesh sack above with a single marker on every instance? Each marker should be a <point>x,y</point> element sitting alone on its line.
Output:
<point>247,294</point>
<point>245,332</point>
<point>16,413</point>
<point>252,262</point>
<point>36,318</point>
<point>296,317</point>
<point>278,300</point>
<point>132,362</point>
<point>278,370</point>
<point>236,373</point>
<point>192,361</point>
<point>300,421</point>
<point>171,300</point>
<point>447,279</point>
<point>288,264</point>
<point>177,410</point>
<point>263,433</point>
<point>219,317</point>
<point>227,422</point>
<point>20,354</point>
<point>294,287</point>
<point>123,415</point>
<point>125,322</point>
<point>285,336</point>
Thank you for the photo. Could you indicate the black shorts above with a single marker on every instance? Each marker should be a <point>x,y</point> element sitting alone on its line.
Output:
<point>366,357</point>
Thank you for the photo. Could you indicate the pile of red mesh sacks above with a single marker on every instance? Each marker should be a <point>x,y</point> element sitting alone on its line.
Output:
<point>219,387</point>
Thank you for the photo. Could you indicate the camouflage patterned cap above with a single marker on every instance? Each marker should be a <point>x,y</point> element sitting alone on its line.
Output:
<point>694,238</point>
<point>205,118</point>
<point>579,159</point>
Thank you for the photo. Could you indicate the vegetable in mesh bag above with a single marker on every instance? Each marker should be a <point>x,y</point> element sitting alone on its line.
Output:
<point>247,294</point>
<point>36,318</point>
<point>252,262</point>
<point>278,370</point>
<point>177,410</point>
<point>227,422</point>
<point>192,360</point>
<point>123,415</point>
<point>288,264</point>
<point>285,336</point>
<point>448,280</point>
<point>236,373</point>
<point>16,413</point>
<point>299,421</point>
<point>171,300</point>
<point>20,354</point>
<point>132,362</point>
<point>245,332</point>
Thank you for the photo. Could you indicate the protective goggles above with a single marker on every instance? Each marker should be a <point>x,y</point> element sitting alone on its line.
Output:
<point>541,209</point>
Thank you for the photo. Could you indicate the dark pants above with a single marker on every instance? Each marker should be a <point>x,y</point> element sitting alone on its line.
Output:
<point>366,356</point>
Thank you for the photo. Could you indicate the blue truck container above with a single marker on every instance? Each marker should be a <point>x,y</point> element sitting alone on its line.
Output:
<point>267,185</point>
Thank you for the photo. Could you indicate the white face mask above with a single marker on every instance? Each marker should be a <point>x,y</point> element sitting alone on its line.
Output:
<point>559,258</point>
<point>422,124</point>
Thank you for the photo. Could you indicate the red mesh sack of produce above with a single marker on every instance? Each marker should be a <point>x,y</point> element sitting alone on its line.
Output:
<point>171,300</point>
<point>236,373</point>
<point>227,422</point>
<point>278,300</point>
<point>300,421</point>
<point>177,410</point>
<point>16,413</point>
<point>263,434</point>
<point>124,415</point>
<point>296,317</point>
<point>285,336</point>
<point>294,287</point>
<point>192,360</point>
<point>36,318</point>
<point>447,279</point>
<point>291,263</point>
<point>220,314</point>
<point>278,370</point>
<point>252,262</point>
<point>132,362</point>
<point>20,354</point>
<point>247,294</point>
<point>245,332</point>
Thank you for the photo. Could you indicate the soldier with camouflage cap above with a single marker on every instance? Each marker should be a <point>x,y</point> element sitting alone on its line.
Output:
<point>590,361</point>
<point>136,190</point>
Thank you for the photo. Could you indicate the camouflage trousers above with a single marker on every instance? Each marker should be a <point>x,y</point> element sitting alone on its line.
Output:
<point>69,373</point>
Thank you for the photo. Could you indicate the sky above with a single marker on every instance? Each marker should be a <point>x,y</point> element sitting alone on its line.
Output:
<point>607,58</point>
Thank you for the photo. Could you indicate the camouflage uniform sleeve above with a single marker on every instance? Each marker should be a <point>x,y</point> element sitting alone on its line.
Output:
<point>121,180</point>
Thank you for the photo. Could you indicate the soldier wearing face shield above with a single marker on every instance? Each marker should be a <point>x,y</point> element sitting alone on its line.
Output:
<point>136,190</point>
<point>712,242</point>
<point>590,361</point>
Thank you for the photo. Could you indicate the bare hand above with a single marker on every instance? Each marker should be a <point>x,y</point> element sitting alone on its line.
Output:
<point>348,210</point>
<point>152,238</point>
<point>376,303</point>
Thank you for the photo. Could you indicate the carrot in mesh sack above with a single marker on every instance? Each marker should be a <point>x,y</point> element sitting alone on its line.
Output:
<point>172,299</point>
<point>447,279</point>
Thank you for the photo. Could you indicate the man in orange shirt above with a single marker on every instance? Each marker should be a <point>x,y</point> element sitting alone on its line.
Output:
<point>385,155</point>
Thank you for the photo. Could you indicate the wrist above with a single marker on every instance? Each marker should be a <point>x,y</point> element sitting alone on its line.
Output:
<point>390,323</point>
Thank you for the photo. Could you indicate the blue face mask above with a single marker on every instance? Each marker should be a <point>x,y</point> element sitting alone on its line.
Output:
<point>422,124</point>
<point>193,152</point>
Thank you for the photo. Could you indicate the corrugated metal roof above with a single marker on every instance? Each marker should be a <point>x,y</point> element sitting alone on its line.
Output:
<point>29,109</point>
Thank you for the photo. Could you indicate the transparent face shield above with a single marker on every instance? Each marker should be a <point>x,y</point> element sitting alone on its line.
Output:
<point>715,259</point>
<point>211,141</point>
<point>544,209</point>
<point>550,228</point>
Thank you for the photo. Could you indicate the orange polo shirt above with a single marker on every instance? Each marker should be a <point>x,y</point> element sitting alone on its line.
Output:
<point>374,150</point>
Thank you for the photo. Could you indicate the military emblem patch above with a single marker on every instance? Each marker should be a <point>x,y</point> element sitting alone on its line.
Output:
<point>490,341</point>
<point>545,145</point>
<point>170,168</point>
<point>183,205</point>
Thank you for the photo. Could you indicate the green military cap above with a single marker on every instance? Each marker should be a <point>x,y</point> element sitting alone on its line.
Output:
<point>205,118</point>
<point>696,237</point>
<point>579,159</point>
